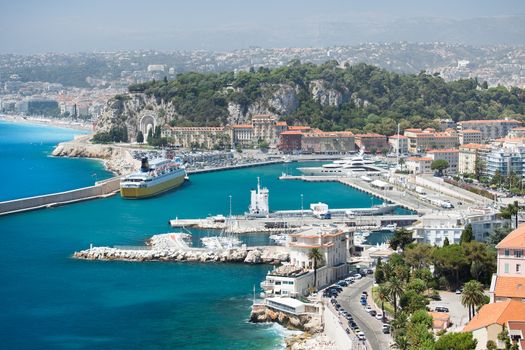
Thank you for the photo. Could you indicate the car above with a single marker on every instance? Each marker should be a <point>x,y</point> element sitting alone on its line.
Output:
<point>363,302</point>
<point>379,315</point>
<point>349,317</point>
<point>357,276</point>
<point>353,325</point>
<point>441,309</point>
<point>365,293</point>
<point>372,313</point>
<point>349,279</point>
<point>386,330</point>
<point>361,336</point>
<point>368,308</point>
<point>458,291</point>
<point>347,331</point>
<point>369,271</point>
<point>333,301</point>
<point>342,283</point>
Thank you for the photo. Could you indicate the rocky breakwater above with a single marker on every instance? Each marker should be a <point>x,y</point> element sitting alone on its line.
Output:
<point>116,159</point>
<point>236,255</point>
<point>306,323</point>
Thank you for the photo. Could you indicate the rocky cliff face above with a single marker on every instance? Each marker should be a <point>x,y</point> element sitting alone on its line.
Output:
<point>306,323</point>
<point>325,95</point>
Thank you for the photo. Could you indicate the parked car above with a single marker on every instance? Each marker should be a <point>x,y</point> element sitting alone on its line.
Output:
<point>361,336</point>
<point>372,313</point>
<point>386,330</point>
<point>441,309</point>
<point>347,331</point>
<point>342,283</point>
<point>363,302</point>
<point>368,308</point>
<point>357,276</point>
<point>379,315</point>
<point>458,291</point>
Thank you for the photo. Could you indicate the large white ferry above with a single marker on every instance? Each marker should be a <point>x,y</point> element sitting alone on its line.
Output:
<point>153,178</point>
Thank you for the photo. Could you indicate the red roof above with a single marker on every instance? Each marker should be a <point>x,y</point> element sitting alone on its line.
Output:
<point>292,132</point>
<point>499,313</point>
<point>489,121</point>
<point>446,150</point>
<point>515,239</point>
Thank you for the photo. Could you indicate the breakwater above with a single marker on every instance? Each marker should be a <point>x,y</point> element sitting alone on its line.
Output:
<point>99,190</point>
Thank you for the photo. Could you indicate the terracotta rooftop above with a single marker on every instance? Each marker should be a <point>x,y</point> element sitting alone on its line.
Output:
<point>439,319</point>
<point>292,132</point>
<point>515,239</point>
<point>242,126</point>
<point>370,135</point>
<point>419,158</point>
<point>512,287</point>
<point>499,313</point>
<point>489,121</point>
<point>281,124</point>
<point>446,150</point>
<point>519,128</point>
<point>298,127</point>
<point>469,131</point>
<point>398,137</point>
<point>330,134</point>
<point>474,146</point>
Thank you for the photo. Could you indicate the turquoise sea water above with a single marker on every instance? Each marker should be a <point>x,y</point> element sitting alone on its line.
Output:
<point>50,301</point>
<point>28,170</point>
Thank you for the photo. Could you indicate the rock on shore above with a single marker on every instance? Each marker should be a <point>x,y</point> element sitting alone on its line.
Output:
<point>116,159</point>
<point>239,255</point>
<point>304,323</point>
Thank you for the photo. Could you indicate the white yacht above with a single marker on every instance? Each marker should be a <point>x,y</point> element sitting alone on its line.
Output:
<point>342,167</point>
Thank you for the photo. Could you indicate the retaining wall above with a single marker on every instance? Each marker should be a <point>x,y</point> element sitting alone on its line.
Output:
<point>100,189</point>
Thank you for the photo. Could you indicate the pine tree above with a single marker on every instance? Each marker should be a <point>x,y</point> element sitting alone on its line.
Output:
<point>140,137</point>
<point>467,235</point>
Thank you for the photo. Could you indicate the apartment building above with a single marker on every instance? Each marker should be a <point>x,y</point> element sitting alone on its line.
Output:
<point>241,134</point>
<point>398,144</point>
<point>490,129</point>
<point>423,140</point>
<point>419,165</point>
<point>470,136</point>
<point>371,142</point>
<point>203,137</point>
<point>321,142</point>
<point>518,132</point>
<point>506,159</point>
<point>451,155</point>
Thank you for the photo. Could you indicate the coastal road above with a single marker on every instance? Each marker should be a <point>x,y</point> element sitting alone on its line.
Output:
<point>349,300</point>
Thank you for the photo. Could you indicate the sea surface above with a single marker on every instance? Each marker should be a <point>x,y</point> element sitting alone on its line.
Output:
<point>50,301</point>
<point>27,168</point>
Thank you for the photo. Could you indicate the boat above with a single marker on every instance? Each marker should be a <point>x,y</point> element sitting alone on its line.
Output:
<point>279,239</point>
<point>342,167</point>
<point>389,227</point>
<point>380,209</point>
<point>153,178</point>
<point>221,242</point>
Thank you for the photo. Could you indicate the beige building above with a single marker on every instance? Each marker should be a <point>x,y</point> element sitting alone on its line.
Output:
<point>320,142</point>
<point>470,136</point>
<point>467,156</point>
<point>490,129</point>
<point>419,165</point>
<point>264,129</point>
<point>423,140</point>
<point>202,137</point>
<point>450,155</point>
<point>241,134</point>
<point>398,144</point>
<point>517,132</point>
<point>295,278</point>
<point>371,142</point>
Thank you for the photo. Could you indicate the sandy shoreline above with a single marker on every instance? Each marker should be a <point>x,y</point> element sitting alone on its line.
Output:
<point>60,123</point>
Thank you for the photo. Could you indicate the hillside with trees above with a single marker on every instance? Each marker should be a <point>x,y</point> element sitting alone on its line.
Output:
<point>361,98</point>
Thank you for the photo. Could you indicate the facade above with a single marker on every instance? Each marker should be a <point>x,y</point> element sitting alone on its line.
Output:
<point>423,140</point>
<point>470,136</point>
<point>292,306</point>
<point>370,142</point>
<point>320,142</point>
<point>241,134</point>
<point>490,129</point>
<point>488,323</point>
<point>297,277</point>
<point>204,137</point>
<point>398,144</point>
<point>433,228</point>
<point>507,159</point>
<point>264,129</point>
<point>509,281</point>
<point>419,165</point>
<point>290,141</point>
<point>517,132</point>
<point>468,156</point>
<point>450,155</point>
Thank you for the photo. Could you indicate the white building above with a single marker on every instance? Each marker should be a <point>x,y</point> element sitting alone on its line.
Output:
<point>433,228</point>
<point>259,200</point>
<point>399,144</point>
<point>297,277</point>
<point>419,165</point>
<point>449,155</point>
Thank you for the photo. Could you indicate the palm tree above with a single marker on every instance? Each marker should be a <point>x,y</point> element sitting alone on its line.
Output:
<point>316,256</point>
<point>472,296</point>
<point>511,210</point>
<point>382,295</point>
<point>394,288</point>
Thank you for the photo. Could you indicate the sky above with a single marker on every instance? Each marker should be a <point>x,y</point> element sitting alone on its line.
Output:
<point>35,26</point>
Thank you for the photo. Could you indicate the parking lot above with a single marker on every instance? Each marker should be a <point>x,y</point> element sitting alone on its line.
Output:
<point>458,313</point>
<point>364,328</point>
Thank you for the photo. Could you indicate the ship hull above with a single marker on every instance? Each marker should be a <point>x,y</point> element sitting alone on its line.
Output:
<point>153,190</point>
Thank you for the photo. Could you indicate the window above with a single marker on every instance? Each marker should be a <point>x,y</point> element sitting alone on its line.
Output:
<point>518,268</point>
<point>518,253</point>
<point>506,268</point>
<point>507,252</point>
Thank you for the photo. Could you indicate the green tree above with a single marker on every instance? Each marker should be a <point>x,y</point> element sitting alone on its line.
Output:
<point>417,256</point>
<point>379,274</point>
<point>382,295</point>
<point>394,288</point>
<point>446,242</point>
<point>317,257</point>
<point>467,235</point>
<point>491,345</point>
<point>401,238</point>
<point>479,168</point>
<point>456,341</point>
<point>149,139</point>
<point>439,165</point>
<point>140,137</point>
<point>449,261</point>
<point>472,296</point>
<point>503,336</point>
<point>511,210</point>
<point>418,330</point>
<point>498,234</point>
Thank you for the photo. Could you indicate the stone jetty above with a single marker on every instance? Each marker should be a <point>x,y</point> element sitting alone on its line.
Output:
<point>171,247</point>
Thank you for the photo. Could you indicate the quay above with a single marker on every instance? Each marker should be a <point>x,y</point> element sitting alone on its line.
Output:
<point>171,247</point>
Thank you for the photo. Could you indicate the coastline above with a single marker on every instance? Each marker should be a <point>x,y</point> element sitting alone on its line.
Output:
<point>59,123</point>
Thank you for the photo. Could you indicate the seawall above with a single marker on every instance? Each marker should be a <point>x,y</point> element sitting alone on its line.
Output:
<point>99,190</point>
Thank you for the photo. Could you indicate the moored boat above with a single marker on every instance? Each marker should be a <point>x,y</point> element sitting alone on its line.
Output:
<point>153,178</point>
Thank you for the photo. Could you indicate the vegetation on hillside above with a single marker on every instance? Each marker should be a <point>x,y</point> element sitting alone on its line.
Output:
<point>374,100</point>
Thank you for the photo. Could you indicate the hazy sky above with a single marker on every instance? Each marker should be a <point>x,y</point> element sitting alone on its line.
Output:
<point>29,26</point>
